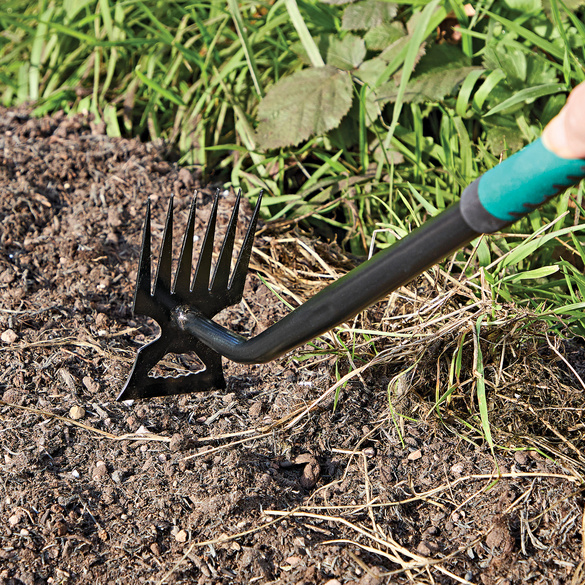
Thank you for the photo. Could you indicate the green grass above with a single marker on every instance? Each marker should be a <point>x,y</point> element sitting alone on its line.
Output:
<point>417,118</point>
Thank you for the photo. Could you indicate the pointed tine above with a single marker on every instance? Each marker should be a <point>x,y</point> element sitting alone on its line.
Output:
<point>143,283</point>
<point>165,262</point>
<point>241,270</point>
<point>221,275</point>
<point>201,281</point>
<point>183,277</point>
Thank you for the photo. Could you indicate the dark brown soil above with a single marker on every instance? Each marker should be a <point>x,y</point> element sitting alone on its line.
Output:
<point>222,487</point>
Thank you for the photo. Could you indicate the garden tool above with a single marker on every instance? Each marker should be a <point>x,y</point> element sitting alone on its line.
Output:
<point>184,309</point>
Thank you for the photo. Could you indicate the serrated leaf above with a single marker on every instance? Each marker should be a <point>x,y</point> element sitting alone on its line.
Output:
<point>437,75</point>
<point>501,138</point>
<point>433,86</point>
<point>367,14</point>
<point>311,101</point>
<point>510,60</point>
<point>440,57</point>
<point>381,37</point>
<point>347,53</point>
<point>371,70</point>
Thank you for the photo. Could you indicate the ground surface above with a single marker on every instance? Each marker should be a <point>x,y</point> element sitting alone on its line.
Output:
<point>250,484</point>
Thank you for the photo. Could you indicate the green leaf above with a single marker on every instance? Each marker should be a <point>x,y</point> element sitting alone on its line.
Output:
<point>158,88</point>
<point>347,53</point>
<point>367,15</point>
<point>501,138</point>
<point>433,86</point>
<point>311,101</point>
<point>526,95</point>
<point>304,34</point>
<point>510,60</point>
<point>524,5</point>
<point>381,37</point>
<point>532,274</point>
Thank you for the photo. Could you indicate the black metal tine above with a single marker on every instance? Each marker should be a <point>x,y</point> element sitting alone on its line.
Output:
<point>203,270</point>
<point>165,262</point>
<point>182,284</point>
<point>221,275</point>
<point>238,279</point>
<point>143,279</point>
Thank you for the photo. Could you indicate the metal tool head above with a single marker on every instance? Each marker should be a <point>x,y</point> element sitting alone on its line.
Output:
<point>209,294</point>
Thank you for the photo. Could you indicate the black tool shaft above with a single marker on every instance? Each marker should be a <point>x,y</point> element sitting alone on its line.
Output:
<point>341,300</point>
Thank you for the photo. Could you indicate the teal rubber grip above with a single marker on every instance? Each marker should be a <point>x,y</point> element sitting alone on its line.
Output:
<point>526,180</point>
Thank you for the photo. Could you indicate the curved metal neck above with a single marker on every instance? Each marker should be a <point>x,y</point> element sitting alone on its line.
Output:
<point>341,300</point>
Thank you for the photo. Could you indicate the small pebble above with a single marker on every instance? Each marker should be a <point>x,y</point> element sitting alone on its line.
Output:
<point>117,477</point>
<point>415,455</point>
<point>90,384</point>
<point>14,519</point>
<point>255,410</point>
<point>9,336</point>
<point>457,469</point>
<point>77,412</point>
<point>369,452</point>
<point>521,457</point>
<point>181,536</point>
<point>67,378</point>
<point>155,549</point>
<point>100,470</point>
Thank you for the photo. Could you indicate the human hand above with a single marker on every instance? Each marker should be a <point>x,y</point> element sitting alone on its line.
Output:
<point>565,134</point>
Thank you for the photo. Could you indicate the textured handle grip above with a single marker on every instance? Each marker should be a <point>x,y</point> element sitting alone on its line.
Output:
<point>526,180</point>
<point>518,185</point>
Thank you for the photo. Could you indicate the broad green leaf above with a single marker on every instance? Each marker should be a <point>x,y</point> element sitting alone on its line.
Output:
<point>433,86</point>
<point>501,138</point>
<point>382,36</point>
<point>347,53</point>
<point>511,60</point>
<point>311,101</point>
<point>367,15</point>
<point>524,5</point>
<point>369,71</point>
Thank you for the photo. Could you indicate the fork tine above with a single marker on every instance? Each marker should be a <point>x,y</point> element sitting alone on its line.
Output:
<point>221,275</point>
<point>143,282</point>
<point>238,279</point>
<point>203,270</point>
<point>165,262</point>
<point>183,277</point>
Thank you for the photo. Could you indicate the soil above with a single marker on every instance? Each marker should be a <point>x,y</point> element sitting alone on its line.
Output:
<point>228,486</point>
